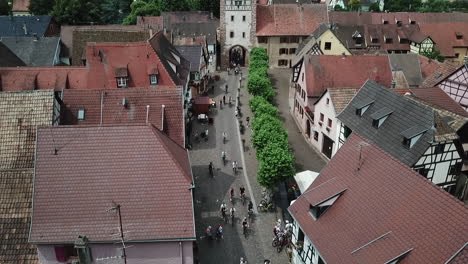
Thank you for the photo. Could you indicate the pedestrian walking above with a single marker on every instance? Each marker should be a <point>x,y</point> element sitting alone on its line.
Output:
<point>221,103</point>
<point>226,88</point>
<point>224,99</point>
<point>210,169</point>
<point>243,261</point>
<point>247,119</point>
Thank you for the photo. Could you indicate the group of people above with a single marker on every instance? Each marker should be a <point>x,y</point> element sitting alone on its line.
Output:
<point>218,232</point>
<point>282,234</point>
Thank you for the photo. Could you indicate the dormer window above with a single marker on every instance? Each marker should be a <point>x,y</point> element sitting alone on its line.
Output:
<point>459,35</point>
<point>121,75</point>
<point>412,135</point>
<point>153,79</point>
<point>388,40</point>
<point>362,106</point>
<point>379,117</point>
<point>385,22</point>
<point>374,40</point>
<point>318,210</point>
<point>81,114</point>
<point>357,37</point>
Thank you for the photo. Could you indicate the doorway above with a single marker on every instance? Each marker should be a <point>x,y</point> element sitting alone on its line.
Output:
<point>327,146</point>
<point>237,56</point>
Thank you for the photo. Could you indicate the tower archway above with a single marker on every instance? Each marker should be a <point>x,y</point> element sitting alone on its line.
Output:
<point>237,55</point>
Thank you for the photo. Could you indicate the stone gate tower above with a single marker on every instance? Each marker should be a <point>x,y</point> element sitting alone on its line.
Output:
<point>237,30</point>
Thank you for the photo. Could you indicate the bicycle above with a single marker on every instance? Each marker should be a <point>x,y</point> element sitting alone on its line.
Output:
<point>266,206</point>
<point>243,198</point>
<point>280,241</point>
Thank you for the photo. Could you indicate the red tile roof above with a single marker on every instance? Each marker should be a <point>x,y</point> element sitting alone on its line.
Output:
<point>444,36</point>
<point>436,97</point>
<point>362,18</point>
<point>104,59</point>
<point>330,71</point>
<point>135,111</point>
<point>42,78</point>
<point>290,19</point>
<point>461,257</point>
<point>20,6</point>
<point>386,209</point>
<point>434,72</point>
<point>137,167</point>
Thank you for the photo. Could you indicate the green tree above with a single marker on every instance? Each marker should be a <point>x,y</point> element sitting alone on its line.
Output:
<point>268,134</point>
<point>402,5</point>
<point>171,5</point>
<point>338,8</point>
<point>142,8</point>
<point>115,11</point>
<point>433,54</point>
<point>374,7</point>
<point>276,165</point>
<point>210,5</point>
<point>435,6</point>
<point>260,106</point>
<point>76,12</point>
<point>354,5</point>
<point>259,53</point>
<point>4,7</point>
<point>260,85</point>
<point>40,7</point>
<point>459,6</point>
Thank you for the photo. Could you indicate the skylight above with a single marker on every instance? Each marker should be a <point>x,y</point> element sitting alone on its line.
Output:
<point>81,114</point>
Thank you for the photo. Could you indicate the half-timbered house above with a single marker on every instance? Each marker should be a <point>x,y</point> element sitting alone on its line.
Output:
<point>418,135</point>
<point>369,207</point>
<point>456,85</point>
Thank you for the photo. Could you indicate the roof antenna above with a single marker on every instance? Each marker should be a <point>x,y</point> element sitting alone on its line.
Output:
<point>361,158</point>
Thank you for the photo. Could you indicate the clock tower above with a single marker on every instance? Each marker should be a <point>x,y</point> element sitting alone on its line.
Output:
<point>237,31</point>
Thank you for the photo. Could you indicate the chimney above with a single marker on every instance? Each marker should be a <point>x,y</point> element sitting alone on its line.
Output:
<point>124,102</point>
<point>147,113</point>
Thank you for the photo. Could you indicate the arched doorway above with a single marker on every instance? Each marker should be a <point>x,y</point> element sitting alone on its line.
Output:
<point>237,56</point>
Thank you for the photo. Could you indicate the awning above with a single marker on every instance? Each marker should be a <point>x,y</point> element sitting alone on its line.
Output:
<point>305,179</point>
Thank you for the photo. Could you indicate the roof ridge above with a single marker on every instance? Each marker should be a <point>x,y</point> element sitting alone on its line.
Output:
<point>158,133</point>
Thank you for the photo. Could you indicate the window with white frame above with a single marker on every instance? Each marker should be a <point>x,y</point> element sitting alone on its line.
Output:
<point>153,79</point>
<point>122,82</point>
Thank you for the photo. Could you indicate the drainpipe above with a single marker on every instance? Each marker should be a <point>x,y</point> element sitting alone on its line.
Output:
<point>181,253</point>
<point>102,106</point>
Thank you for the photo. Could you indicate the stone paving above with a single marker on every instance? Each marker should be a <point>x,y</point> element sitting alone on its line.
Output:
<point>210,192</point>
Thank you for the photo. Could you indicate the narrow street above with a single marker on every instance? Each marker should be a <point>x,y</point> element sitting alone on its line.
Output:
<point>211,192</point>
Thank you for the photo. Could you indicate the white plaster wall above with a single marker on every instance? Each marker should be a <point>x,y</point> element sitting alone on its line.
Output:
<point>238,26</point>
<point>137,253</point>
<point>328,111</point>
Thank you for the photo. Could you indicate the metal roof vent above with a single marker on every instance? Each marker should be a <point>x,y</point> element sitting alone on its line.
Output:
<point>124,102</point>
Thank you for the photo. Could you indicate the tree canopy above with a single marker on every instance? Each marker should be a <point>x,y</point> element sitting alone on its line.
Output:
<point>4,7</point>
<point>76,12</point>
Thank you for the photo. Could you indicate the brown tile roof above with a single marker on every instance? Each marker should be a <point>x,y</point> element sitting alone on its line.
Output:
<point>444,36</point>
<point>82,37</point>
<point>390,208</point>
<point>137,167</point>
<point>340,97</point>
<point>21,113</point>
<point>436,97</point>
<point>329,71</point>
<point>42,78</point>
<point>290,19</point>
<point>362,18</point>
<point>134,112</point>
<point>20,6</point>
<point>66,35</point>
<point>434,72</point>
<point>153,22</point>
<point>16,189</point>
<point>461,257</point>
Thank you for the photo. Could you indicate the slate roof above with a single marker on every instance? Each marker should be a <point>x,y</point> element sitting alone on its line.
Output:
<point>409,65</point>
<point>436,97</point>
<point>82,37</point>
<point>42,78</point>
<point>17,142</point>
<point>406,115</point>
<point>193,54</point>
<point>168,55</point>
<point>11,26</point>
<point>134,112</point>
<point>8,58</point>
<point>434,72</point>
<point>340,97</point>
<point>362,18</point>
<point>207,29</point>
<point>290,19</point>
<point>444,35</point>
<point>385,210</point>
<point>32,51</point>
<point>18,124</point>
<point>329,71</point>
<point>137,167</point>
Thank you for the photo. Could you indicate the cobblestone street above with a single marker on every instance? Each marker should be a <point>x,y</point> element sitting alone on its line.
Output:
<point>210,192</point>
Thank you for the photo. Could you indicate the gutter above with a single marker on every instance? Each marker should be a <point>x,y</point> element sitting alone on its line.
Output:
<point>118,241</point>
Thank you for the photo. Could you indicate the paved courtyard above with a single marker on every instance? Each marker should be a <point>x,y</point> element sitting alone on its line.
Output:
<point>210,192</point>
